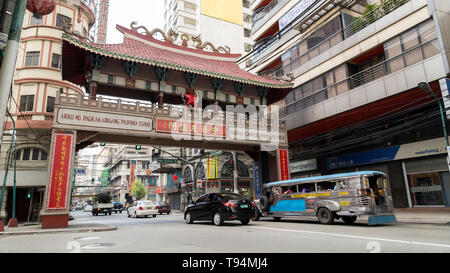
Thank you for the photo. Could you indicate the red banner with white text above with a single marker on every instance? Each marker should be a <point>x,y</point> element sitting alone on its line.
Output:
<point>60,172</point>
<point>284,164</point>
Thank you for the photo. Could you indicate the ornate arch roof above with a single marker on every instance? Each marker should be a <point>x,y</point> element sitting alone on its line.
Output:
<point>145,49</point>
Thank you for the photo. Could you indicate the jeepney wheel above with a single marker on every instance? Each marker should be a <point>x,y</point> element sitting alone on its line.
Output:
<point>325,216</point>
<point>256,215</point>
<point>277,219</point>
<point>349,219</point>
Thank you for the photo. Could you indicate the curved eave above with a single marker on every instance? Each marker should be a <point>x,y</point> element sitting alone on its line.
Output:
<point>124,57</point>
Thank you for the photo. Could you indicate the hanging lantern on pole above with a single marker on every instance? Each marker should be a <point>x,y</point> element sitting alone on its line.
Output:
<point>40,8</point>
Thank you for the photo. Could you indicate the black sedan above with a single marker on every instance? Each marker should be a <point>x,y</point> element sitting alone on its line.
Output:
<point>220,207</point>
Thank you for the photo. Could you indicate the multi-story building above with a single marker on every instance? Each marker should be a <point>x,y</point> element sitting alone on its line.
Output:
<point>215,21</point>
<point>126,164</point>
<point>36,81</point>
<point>356,104</point>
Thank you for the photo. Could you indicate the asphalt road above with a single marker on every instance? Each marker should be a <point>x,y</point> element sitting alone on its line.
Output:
<point>170,234</point>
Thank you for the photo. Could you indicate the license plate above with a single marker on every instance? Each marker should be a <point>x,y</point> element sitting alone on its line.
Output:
<point>244,206</point>
<point>148,208</point>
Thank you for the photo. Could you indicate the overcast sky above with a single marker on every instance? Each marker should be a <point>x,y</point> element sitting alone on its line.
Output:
<point>148,13</point>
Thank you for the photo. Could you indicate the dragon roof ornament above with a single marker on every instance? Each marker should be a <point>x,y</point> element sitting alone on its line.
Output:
<point>172,37</point>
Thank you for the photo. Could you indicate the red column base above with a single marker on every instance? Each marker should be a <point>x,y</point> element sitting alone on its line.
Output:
<point>2,227</point>
<point>55,221</point>
<point>13,222</point>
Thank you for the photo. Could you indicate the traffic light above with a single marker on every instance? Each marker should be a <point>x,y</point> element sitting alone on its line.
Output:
<point>102,144</point>
<point>28,194</point>
<point>138,147</point>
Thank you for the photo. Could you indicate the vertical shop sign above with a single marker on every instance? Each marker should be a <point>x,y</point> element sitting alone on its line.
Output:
<point>60,171</point>
<point>257,180</point>
<point>284,164</point>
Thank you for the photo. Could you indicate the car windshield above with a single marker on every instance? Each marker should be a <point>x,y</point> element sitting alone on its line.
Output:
<point>229,196</point>
<point>147,203</point>
<point>161,204</point>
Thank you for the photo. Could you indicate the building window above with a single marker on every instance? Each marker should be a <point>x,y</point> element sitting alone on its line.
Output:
<point>35,155</point>
<point>411,47</point>
<point>62,20</point>
<point>247,32</point>
<point>26,154</point>
<point>50,105</point>
<point>148,85</point>
<point>36,22</point>
<point>26,103</point>
<point>32,58</point>
<point>111,79</point>
<point>56,60</point>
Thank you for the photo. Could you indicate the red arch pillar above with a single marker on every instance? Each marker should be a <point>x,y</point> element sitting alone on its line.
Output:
<point>56,206</point>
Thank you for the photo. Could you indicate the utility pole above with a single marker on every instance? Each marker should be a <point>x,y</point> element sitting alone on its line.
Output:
<point>9,61</point>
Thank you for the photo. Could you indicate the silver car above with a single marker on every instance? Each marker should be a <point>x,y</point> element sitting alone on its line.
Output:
<point>142,209</point>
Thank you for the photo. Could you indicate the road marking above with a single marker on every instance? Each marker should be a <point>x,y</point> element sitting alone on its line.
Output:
<point>354,236</point>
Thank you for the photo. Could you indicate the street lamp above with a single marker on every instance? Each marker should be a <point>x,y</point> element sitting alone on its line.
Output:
<point>425,87</point>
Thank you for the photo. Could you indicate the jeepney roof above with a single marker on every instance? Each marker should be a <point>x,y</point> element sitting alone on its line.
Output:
<point>321,178</point>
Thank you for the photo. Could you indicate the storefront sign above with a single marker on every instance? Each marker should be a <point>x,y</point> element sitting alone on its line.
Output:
<point>211,168</point>
<point>103,120</point>
<point>411,150</point>
<point>190,128</point>
<point>60,171</point>
<point>283,160</point>
<point>302,166</point>
<point>292,14</point>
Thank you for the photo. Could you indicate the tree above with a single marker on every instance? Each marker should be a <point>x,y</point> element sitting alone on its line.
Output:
<point>138,190</point>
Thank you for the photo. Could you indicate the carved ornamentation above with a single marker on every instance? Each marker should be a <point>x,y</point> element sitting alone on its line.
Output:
<point>171,36</point>
<point>202,45</point>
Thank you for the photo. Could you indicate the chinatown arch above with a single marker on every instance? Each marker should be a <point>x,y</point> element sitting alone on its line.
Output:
<point>171,91</point>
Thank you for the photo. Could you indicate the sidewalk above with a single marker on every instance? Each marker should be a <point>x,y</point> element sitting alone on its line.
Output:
<point>423,215</point>
<point>35,228</point>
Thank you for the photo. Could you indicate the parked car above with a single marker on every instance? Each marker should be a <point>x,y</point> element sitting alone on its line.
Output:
<point>88,208</point>
<point>79,207</point>
<point>220,207</point>
<point>142,208</point>
<point>118,207</point>
<point>163,207</point>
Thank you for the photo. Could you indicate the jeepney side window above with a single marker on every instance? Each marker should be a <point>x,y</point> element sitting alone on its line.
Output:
<point>326,186</point>
<point>308,187</point>
<point>340,185</point>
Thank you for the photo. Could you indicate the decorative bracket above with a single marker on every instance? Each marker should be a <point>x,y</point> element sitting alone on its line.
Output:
<point>217,83</point>
<point>263,91</point>
<point>96,60</point>
<point>130,67</point>
<point>240,88</point>
<point>191,78</point>
<point>162,73</point>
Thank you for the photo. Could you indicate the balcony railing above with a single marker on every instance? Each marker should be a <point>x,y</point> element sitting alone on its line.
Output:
<point>260,13</point>
<point>357,25</point>
<point>363,77</point>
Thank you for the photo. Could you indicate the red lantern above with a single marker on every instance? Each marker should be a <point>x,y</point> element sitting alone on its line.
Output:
<point>40,8</point>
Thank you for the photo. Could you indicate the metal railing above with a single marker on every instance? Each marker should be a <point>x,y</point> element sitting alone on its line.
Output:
<point>363,77</point>
<point>357,25</point>
<point>261,12</point>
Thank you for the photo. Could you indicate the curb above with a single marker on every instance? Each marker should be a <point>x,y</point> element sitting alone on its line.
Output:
<point>63,230</point>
